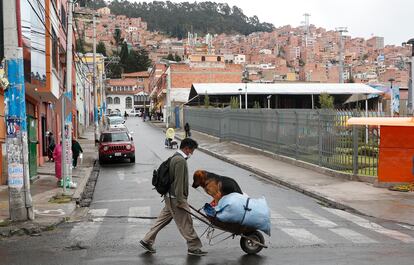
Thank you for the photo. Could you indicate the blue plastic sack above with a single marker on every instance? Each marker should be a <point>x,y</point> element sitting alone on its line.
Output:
<point>209,210</point>
<point>232,209</point>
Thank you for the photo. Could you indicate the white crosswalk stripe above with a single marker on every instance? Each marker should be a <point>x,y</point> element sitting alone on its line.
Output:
<point>134,233</point>
<point>121,174</point>
<point>313,217</point>
<point>352,236</point>
<point>303,236</point>
<point>84,232</point>
<point>279,220</point>
<point>139,212</point>
<point>98,213</point>
<point>372,226</point>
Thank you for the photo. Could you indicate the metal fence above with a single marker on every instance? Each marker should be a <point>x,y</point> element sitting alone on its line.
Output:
<point>319,137</point>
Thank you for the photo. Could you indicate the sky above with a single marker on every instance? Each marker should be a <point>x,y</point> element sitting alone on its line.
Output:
<point>391,19</point>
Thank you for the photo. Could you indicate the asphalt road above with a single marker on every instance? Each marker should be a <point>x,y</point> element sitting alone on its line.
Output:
<point>124,205</point>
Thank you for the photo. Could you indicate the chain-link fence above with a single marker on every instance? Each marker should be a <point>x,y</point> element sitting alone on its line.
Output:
<point>320,137</point>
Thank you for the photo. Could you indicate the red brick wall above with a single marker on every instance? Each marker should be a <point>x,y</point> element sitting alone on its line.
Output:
<point>183,76</point>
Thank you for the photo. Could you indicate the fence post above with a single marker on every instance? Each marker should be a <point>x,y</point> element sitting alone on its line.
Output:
<point>355,139</point>
<point>319,138</point>
<point>297,135</point>
<point>277,130</point>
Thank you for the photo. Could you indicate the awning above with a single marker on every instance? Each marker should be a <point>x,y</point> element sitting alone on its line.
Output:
<point>282,89</point>
<point>387,121</point>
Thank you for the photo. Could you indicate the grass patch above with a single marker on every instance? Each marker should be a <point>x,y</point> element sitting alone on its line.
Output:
<point>61,199</point>
<point>4,223</point>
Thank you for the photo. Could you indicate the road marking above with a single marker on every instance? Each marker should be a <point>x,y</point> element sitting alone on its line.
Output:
<point>313,217</point>
<point>99,213</point>
<point>280,220</point>
<point>372,226</point>
<point>140,180</point>
<point>303,236</point>
<point>121,174</point>
<point>352,236</point>
<point>134,233</point>
<point>139,212</point>
<point>57,212</point>
<point>84,232</point>
<point>121,200</point>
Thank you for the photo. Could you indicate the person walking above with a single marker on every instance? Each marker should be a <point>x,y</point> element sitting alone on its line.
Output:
<point>51,146</point>
<point>187,130</point>
<point>125,115</point>
<point>57,156</point>
<point>76,150</point>
<point>176,205</point>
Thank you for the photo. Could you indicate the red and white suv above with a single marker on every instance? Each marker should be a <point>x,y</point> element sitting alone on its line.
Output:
<point>116,144</point>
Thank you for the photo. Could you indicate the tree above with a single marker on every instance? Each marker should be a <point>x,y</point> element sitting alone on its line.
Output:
<point>206,101</point>
<point>234,103</point>
<point>177,58</point>
<point>326,101</point>
<point>124,53</point>
<point>117,38</point>
<point>100,48</point>
<point>79,46</point>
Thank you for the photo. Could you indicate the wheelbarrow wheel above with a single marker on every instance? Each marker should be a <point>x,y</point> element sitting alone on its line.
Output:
<point>248,245</point>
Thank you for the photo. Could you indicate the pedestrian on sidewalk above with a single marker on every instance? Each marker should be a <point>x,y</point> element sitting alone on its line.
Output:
<point>57,156</point>
<point>187,130</point>
<point>125,115</point>
<point>176,205</point>
<point>51,145</point>
<point>76,150</point>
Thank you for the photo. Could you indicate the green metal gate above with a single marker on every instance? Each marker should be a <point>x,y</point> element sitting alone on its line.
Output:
<point>32,145</point>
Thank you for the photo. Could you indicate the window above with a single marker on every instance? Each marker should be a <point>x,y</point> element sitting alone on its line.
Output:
<point>109,100</point>
<point>117,100</point>
<point>128,103</point>
<point>140,79</point>
<point>54,49</point>
<point>218,58</point>
<point>203,58</point>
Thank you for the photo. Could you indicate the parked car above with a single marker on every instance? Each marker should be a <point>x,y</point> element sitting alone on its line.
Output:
<point>116,144</point>
<point>115,113</point>
<point>115,122</point>
<point>135,113</point>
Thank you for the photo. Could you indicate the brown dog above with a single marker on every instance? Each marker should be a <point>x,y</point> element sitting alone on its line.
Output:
<point>214,185</point>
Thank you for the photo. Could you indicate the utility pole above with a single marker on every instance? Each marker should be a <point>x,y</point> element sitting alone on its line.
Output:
<point>306,30</point>
<point>67,120</point>
<point>95,94</point>
<point>168,96</point>
<point>20,200</point>
<point>341,30</point>
<point>410,104</point>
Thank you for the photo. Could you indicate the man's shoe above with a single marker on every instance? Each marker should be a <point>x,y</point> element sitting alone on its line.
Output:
<point>197,252</point>
<point>147,246</point>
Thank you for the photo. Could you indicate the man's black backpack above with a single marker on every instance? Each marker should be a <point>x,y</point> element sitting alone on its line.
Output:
<point>161,179</point>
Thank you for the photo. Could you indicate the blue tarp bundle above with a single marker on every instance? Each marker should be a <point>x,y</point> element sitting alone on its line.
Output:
<point>239,208</point>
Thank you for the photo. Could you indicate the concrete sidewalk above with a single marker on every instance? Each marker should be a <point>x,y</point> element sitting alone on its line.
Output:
<point>50,210</point>
<point>360,197</point>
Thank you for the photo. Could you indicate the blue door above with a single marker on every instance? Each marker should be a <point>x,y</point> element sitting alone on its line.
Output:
<point>177,117</point>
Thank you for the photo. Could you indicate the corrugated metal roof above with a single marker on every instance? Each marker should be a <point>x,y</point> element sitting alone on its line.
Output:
<point>284,88</point>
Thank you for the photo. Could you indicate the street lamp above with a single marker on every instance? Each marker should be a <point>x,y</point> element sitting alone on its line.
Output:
<point>268,101</point>
<point>392,97</point>
<point>240,101</point>
<point>410,88</point>
<point>245,97</point>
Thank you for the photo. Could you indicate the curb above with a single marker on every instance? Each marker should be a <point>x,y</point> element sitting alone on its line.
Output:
<point>32,228</point>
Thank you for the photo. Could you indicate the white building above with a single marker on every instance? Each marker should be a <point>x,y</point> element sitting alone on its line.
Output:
<point>240,59</point>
